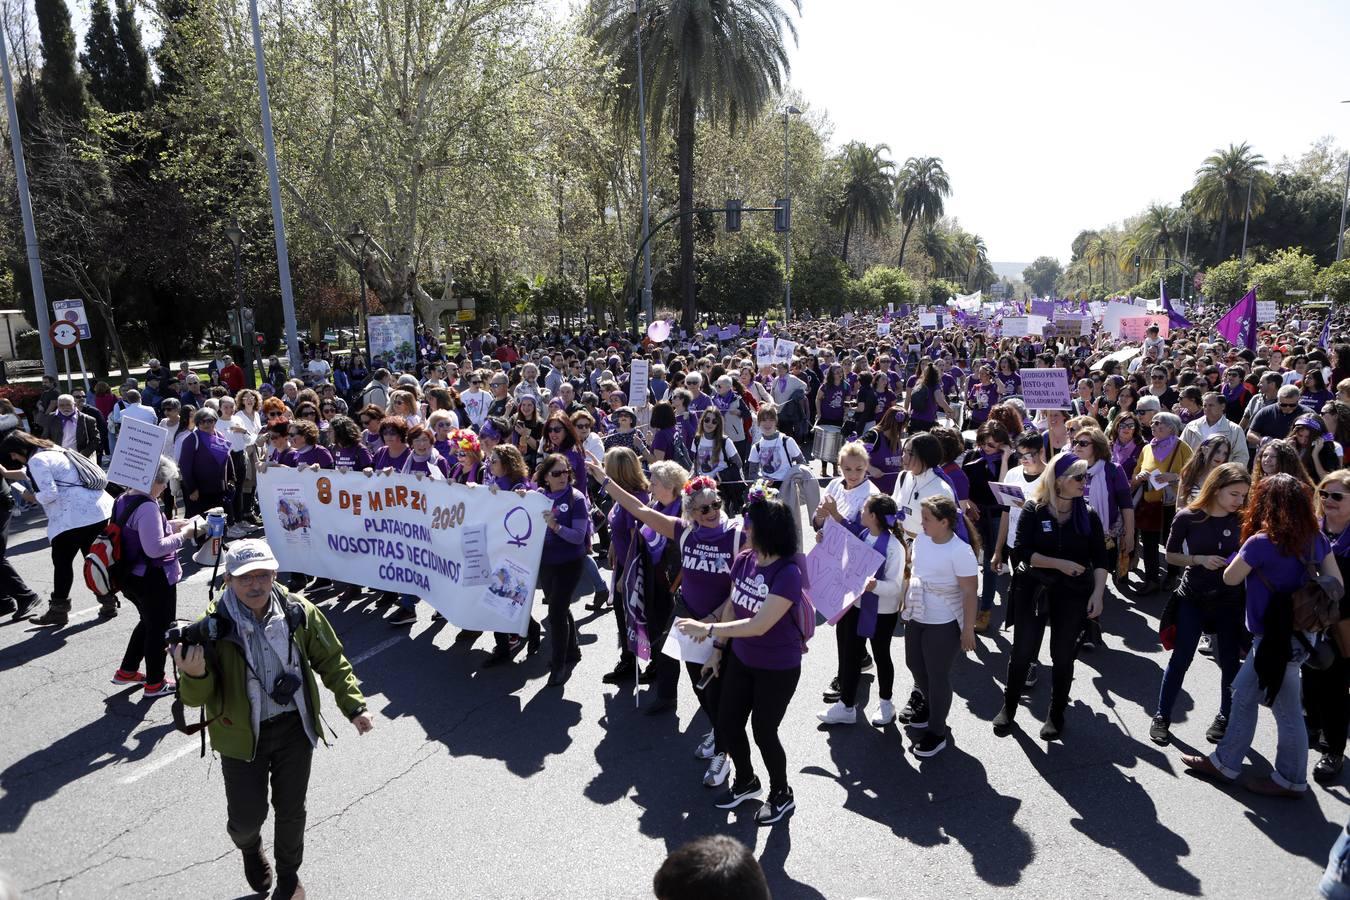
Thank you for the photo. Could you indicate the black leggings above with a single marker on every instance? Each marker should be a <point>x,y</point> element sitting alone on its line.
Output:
<point>1151,541</point>
<point>157,602</point>
<point>65,547</point>
<point>1065,615</point>
<point>762,697</point>
<point>559,580</point>
<point>1326,696</point>
<point>709,697</point>
<point>852,647</point>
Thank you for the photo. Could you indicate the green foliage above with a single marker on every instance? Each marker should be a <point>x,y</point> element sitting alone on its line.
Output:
<point>1286,270</point>
<point>882,285</point>
<point>920,189</point>
<point>62,88</point>
<point>1334,281</point>
<point>866,198</point>
<point>1225,283</point>
<point>744,281</point>
<point>1041,275</point>
<point>938,291</point>
<point>1226,183</point>
<point>820,285</point>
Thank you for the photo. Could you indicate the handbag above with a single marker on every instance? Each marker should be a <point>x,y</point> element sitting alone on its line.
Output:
<point>1321,656</point>
<point>1148,515</point>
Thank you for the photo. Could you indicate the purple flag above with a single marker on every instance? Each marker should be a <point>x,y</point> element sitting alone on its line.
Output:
<point>1238,325</point>
<point>1043,308</point>
<point>1174,318</point>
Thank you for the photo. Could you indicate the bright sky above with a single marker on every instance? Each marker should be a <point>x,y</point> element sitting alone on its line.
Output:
<point>1052,116</point>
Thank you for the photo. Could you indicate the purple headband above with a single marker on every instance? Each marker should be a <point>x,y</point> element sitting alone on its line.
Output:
<point>1064,464</point>
<point>489,431</point>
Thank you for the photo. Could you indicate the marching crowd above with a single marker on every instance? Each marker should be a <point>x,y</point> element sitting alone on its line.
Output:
<point>1207,482</point>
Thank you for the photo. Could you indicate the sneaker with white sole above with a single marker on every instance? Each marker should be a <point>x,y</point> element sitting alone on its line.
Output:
<point>707,748</point>
<point>739,792</point>
<point>718,770</point>
<point>930,744</point>
<point>122,676</point>
<point>885,715</point>
<point>404,615</point>
<point>164,688</point>
<point>780,803</point>
<point>838,714</point>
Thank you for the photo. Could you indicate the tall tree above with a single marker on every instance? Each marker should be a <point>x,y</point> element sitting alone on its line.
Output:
<point>721,59</point>
<point>103,58</point>
<point>1221,187</point>
<point>1157,236</point>
<point>868,187</point>
<point>921,188</point>
<point>1041,275</point>
<point>139,87</point>
<point>62,87</point>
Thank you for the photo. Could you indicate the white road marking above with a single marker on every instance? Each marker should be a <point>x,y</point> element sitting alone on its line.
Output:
<point>378,648</point>
<point>153,767</point>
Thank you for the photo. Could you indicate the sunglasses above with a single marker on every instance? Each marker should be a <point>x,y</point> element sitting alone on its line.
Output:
<point>1128,424</point>
<point>1082,443</point>
<point>1081,476</point>
<point>1288,406</point>
<point>275,415</point>
<point>556,429</point>
<point>565,473</point>
<point>1336,496</point>
<point>476,381</point>
<point>1031,455</point>
<point>706,508</point>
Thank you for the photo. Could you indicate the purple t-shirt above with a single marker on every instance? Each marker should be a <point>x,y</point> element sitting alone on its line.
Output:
<point>571,511</point>
<point>781,646</point>
<point>621,523</point>
<point>1284,572</point>
<point>1012,382</point>
<point>705,559</point>
<point>314,456</point>
<point>664,440</point>
<point>883,456</point>
<point>982,399</point>
<point>384,461</point>
<point>354,458</point>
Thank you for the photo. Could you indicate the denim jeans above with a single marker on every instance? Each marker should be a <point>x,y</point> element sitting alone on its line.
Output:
<point>1336,879</point>
<point>1226,623</point>
<point>1291,750</point>
<point>989,520</point>
<point>591,581</point>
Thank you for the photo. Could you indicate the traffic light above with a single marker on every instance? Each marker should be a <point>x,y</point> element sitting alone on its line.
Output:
<point>734,215</point>
<point>782,217</point>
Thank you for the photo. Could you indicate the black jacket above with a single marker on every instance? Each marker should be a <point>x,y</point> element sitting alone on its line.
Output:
<point>87,436</point>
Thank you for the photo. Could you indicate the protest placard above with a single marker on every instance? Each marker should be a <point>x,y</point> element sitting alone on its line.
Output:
<point>638,374</point>
<point>783,350</point>
<point>1115,311</point>
<point>1046,388</point>
<point>470,552</point>
<point>838,567</point>
<point>764,348</point>
<point>136,457</point>
<point>1072,325</point>
<point>928,320</point>
<point>1016,326</point>
<point>883,329</point>
<point>1267,310</point>
<point>1135,328</point>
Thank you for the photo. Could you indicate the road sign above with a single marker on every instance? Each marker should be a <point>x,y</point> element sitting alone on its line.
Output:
<point>72,311</point>
<point>1297,293</point>
<point>65,334</point>
<point>464,315</point>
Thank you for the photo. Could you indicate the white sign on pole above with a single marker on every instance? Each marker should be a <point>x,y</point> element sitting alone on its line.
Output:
<point>136,457</point>
<point>1046,388</point>
<point>73,312</point>
<point>783,350</point>
<point>764,348</point>
<point>638,375</point>
<point>1267,310</point>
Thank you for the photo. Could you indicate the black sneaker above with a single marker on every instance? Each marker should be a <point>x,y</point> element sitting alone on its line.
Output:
<point>622,673</point>
<point>831,694</point>
<point>740,792</point>
<point>780,804</point>
<point>929,744</point>
<point>1032,676</point>
<point>1160,731</point>
<point>404,615</point>
<point>1217,729</point>
<point>258,869</point>
<point>1328,768</point>
<point>1003,722</point>
<point>867,663</point>
<point>913,707</point>
<point>7,606</point>
<point>27,606</point>
<point>1206,647</point>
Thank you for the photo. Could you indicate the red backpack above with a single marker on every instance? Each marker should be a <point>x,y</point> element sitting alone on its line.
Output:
<point>106,565</point>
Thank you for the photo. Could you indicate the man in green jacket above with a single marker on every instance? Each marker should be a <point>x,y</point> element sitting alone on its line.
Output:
<point>256,677</point>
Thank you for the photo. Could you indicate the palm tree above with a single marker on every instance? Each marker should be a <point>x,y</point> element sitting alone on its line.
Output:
<point>868,185</point>
<point>936,244</point>
<point>1222,183</point>
<point>920,188</point>
<point>971,256</point>
<point>1100,249</point>
<point>715,58</point>
<point>1158,234</point>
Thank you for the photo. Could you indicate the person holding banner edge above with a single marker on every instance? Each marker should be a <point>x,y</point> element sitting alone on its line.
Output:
<point>565,544</point>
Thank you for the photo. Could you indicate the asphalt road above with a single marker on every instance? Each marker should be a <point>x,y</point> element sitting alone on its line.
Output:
<point>490,784</point>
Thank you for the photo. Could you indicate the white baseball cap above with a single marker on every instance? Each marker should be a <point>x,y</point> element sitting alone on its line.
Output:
<point>249,556</point>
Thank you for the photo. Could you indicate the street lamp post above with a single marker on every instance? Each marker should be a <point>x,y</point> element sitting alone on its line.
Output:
<point>360,242</point>
<point>1246,219</point>
<point>787,235</point>
<point>236,235</point>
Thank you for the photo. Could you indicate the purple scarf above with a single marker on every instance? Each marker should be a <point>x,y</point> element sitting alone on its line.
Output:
<point>1341,545</point>
<point>993,461</point>
<point>1123,454</point>
<point>1163,447</point>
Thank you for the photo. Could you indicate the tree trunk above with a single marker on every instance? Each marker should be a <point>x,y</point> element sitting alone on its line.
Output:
<point>684,140</point>
<point>1223,238</point>
<point>848,232</point>
<point>904,239</point>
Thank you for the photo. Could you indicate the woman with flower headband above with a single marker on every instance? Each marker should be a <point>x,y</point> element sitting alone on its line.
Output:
<point>1062,565</point>
<point>873,618</point>
<point>468,458</point>
<point>760,675</point>
<point>707,542</point>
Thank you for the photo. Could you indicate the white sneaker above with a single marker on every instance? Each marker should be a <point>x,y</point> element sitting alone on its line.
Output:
<point>718,770</point>
<point>237,531</point>
<point>838,714</point>
<point>885,715</point>
<point>706,748</point>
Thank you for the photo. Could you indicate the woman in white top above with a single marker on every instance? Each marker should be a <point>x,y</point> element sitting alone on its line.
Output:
<point>939,616</point>
<point>919,479</point>
<point>872,619</point>
<point>845,496</point>
<point>75,514</point>
<point>243,430</point>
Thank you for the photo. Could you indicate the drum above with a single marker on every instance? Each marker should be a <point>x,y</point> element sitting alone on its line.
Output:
<point>825,443</point>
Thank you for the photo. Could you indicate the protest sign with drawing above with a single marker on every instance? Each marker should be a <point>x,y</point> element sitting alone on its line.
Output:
<point>837,568</point>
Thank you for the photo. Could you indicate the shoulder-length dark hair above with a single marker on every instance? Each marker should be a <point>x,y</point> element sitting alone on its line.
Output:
<point>546,464</point>
<point>23,444</point>
<point>772,531</point>
<point>569,440</point>
<point>1282,508</point>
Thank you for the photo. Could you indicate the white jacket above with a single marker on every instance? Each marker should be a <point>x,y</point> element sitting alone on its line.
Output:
<point>1196,431</point>
<point>67,502</point>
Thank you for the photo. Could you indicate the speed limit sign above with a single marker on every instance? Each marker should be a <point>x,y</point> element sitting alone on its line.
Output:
<point>64,334</point>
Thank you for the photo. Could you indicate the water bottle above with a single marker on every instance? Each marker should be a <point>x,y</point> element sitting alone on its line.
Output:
<point>215,523</point>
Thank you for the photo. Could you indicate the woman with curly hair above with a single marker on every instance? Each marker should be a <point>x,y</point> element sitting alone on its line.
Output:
<point>1281,538</point>
<point>1279,457</point>
<point>1008,415</point>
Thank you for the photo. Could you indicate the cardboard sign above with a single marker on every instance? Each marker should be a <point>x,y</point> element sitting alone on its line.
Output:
<point>1266,310</point>
<point>637,382</point>
<point>1072,325</point>
<point>1045,388</point>
<point>783,350</point>
<point>764,350</point>
<point>1135,328</point>
<point>838,567</point>
<point>136,457</point>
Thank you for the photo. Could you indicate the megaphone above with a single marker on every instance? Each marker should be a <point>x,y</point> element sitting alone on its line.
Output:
<point>208,554</point>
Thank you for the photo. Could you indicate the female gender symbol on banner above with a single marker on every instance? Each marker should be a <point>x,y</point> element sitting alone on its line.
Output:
<point>518,540</point>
